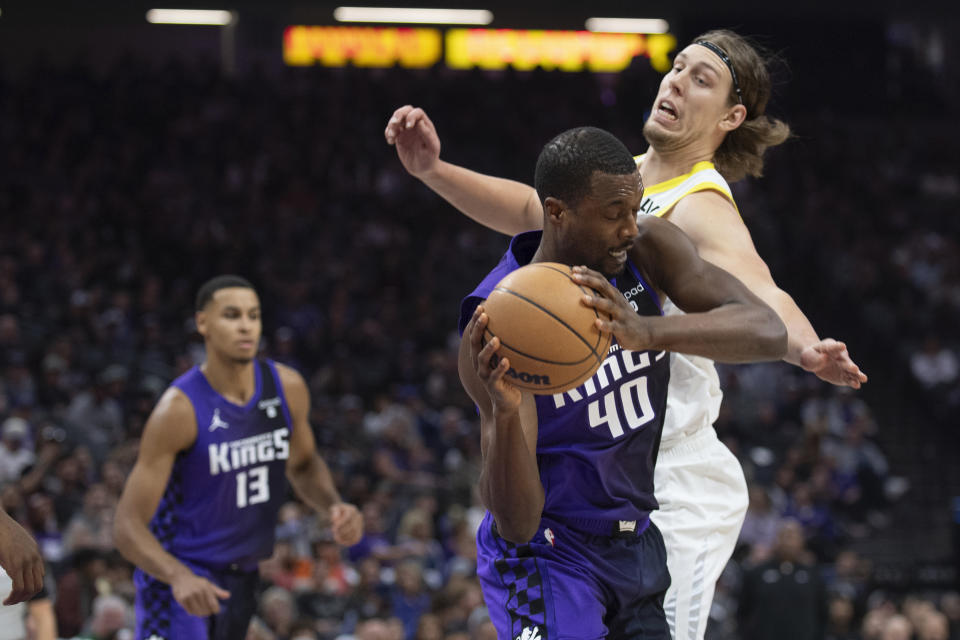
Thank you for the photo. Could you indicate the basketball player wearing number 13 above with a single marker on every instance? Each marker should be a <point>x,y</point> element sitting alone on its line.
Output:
<point>567,549</point>
<point>200,507</point>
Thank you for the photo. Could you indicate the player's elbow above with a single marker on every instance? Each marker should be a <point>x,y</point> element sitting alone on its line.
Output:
<point>518,523</point>
<point>771,335</point>
<point>125,529</point>
<point>518,530</point>
<point>300,470</point>
<point>122,535</point>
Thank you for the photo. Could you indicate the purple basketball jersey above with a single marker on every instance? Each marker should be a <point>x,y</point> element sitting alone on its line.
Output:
<point>597,443</point>
<point>221,502</point>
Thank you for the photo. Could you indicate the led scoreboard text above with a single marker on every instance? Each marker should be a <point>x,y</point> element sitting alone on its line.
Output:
<point>361,46</point>
<point>473,48</point>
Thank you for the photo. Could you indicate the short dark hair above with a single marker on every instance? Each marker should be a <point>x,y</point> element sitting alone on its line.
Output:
<point>211,286</point>
<point>568,162</point>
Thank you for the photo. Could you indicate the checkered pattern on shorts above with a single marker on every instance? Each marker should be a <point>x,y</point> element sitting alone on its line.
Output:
<point>519,571</point>
<point>156,602</point>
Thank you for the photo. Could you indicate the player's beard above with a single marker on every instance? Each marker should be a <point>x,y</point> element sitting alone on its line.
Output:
<point>662,141</point>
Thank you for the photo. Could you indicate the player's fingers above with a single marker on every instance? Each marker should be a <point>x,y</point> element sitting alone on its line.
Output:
<point>192,604</point>
<point>395,123</point>
<point>400,112</point>
<point>594,280</point>
<point>476,334</point>
<point>833,348</point>
<point>17,592</point>
<point>412,117</point>
<point>210,602</point>
<point>399,115</point>
<point>347,532</point>
<point>357,529</point>
<point>497,373</point>
<point>347,537</point>
<point>487,358</point>
<point>220,592</point>
<point>582,275</point>
<point>426,124</point>
<point>600,303</point>
<point>36,579</point>
<point>605,326</point>
<point>342,515</point>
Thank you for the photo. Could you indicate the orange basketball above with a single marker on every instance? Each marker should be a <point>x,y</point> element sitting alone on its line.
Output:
<point>545,330</point>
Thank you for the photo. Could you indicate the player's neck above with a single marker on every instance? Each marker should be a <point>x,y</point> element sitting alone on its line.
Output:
<point>235,381</point>
<point>660,166</point>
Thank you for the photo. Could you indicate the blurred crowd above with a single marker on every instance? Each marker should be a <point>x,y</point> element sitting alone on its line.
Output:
<point>122,192</point>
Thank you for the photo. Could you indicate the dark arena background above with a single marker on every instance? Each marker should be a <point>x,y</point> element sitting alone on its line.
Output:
<point>137,160</point>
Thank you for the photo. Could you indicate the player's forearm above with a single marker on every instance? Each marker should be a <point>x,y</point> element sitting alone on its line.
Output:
<point>314,484</point>
<point>800,333</point>
<point>507,206</point>
<point>138,545</point>
<point>734,332</point>
<point>510,480</point>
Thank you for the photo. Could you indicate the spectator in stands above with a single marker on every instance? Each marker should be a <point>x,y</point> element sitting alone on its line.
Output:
<point>784,597</point>
<point>16,449</point>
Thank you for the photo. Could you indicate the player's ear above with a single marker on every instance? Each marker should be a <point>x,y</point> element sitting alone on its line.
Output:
<point>200,319</point>
<point>733,117</point>
<point>553,210</point>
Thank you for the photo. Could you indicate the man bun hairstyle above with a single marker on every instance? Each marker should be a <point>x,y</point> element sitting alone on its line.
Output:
<point>741,152</point>
<point>211,286</point>
<point>567,163</point>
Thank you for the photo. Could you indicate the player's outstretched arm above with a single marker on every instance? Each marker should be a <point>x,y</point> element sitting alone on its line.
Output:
<point>307,471</point>
<point>509,476</point>
<point>507,206</point>
<point>723,320</point>
<point>20,558</point>
<point>722,238</point>
<point>171,428</point>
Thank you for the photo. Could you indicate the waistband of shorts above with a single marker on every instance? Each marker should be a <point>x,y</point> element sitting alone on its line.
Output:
<point>610,528</point>
<point>243,566</point>
<point>700,439</point>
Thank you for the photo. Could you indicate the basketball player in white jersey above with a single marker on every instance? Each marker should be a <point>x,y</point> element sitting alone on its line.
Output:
<point>707,126</point>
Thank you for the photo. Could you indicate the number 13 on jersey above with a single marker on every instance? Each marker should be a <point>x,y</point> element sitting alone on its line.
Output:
<point>253,486</point>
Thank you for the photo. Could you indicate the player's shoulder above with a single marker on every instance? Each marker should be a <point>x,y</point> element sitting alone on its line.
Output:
<point>702,212</point>
<point>289,377</point>
<point>293,383</point>
<point>172,426</point>
<point>707,199</point>
<point>174,404</point>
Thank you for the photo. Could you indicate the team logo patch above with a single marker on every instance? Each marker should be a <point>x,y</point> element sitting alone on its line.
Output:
<point>269,406</point>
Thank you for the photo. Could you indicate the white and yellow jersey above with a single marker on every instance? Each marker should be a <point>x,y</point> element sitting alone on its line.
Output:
<point>693,396</point>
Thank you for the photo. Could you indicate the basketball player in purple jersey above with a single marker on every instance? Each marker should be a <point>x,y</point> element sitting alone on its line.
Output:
<point>567,549</point>
<point>199,509</point>
<point>708,125</point>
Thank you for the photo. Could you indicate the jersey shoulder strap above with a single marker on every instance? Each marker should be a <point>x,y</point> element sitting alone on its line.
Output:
<point>660,198</point>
